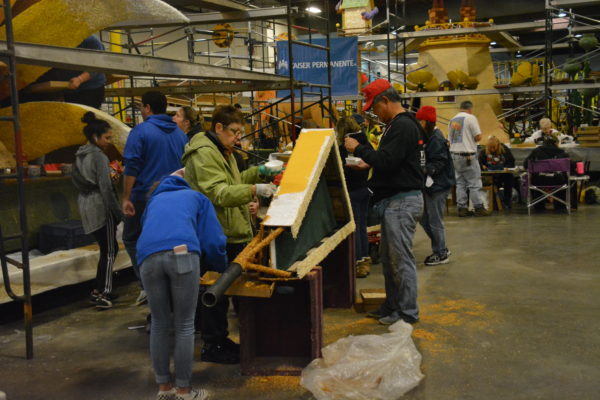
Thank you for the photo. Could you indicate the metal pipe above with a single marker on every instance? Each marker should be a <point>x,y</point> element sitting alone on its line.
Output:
<point>215,293</point>
<point>27,310</point>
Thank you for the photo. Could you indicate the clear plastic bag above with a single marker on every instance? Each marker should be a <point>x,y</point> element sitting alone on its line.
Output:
<point>366,367</point>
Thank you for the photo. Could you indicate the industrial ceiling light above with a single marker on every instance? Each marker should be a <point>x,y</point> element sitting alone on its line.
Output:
<point>493,43</point>
<point>578,35</point>
<point>313,10</point>
<point>562,13</point>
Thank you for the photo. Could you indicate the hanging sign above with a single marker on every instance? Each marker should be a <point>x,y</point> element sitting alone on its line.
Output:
<point>310,65</point>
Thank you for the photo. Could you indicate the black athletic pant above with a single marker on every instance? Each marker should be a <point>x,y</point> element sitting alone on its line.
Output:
<point>107,240</point>
<point>212,321</point>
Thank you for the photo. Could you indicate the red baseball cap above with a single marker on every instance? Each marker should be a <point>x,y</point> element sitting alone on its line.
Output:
<point>427,113</point>
<point>374,88</point>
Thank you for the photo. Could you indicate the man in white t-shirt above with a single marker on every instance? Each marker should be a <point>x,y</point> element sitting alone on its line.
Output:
<point>463,135</point>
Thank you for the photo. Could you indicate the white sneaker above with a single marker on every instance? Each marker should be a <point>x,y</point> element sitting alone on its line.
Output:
<point>142,298</point>
<point>194,394</point>
<point>166,394</point>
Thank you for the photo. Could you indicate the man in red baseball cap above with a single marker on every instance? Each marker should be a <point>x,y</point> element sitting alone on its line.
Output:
<point>440,178</point>
<point>396,184</point>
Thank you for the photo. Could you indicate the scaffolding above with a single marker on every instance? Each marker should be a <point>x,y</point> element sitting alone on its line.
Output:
<point>8,54</point>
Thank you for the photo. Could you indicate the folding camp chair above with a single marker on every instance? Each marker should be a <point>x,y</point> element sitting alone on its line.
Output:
<point>549,191</point>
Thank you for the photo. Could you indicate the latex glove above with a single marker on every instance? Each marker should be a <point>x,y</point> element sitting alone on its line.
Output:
<point>265,189</point>
<point>264,171</point>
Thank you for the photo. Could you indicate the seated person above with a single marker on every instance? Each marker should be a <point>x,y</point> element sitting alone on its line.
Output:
<point>547,151</point>
<point>546,130</point>
<point>496,157</point>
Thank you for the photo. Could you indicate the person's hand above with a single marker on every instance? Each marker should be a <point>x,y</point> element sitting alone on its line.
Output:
<point>74,83</point>
<point>361,166</point>
<point>180,172</point>
<point>483,167</point>
<point>265,189</point>
<point>128,208</point>
<point>253,207</point>
<point>350,144</point>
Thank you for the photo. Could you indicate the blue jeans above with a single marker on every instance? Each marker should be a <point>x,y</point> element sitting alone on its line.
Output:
<point>433,220</point>
<point>398,227</point>
<point>359,199</point>
<point>468,177</point>
<point>172,280</point>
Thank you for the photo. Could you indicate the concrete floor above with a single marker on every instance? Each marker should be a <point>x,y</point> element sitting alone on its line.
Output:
<point>515,315</point>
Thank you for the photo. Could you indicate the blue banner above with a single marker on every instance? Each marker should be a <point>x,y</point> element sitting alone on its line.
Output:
<point>310,65</point>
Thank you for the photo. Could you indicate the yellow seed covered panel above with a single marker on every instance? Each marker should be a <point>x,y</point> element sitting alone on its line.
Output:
<point>47,126</point>
<point>66,23</point>
<point>303,160</point>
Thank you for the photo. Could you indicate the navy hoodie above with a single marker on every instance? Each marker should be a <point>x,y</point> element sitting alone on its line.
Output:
<point>153,150</point>
<point>176,214</point>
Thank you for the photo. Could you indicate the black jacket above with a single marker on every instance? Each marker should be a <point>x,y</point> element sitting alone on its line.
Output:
<point>397,162</point>
<point>545,153</point>
<point>195,129</point>
<point>506,161</point>
<point>439,165</point>
<point>355,179</point>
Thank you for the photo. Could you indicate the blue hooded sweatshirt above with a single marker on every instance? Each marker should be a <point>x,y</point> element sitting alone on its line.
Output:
<point>153,150</point>
<point>176,214</point>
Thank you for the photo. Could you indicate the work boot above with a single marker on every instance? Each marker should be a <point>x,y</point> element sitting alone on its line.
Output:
<point>481,212</point>
<point>219,353</point>
<point>464,212</point>
<point>363,268</point>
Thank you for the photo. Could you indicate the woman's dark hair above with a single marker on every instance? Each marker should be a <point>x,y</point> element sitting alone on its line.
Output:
<point>95,127</point>
<point>226,115</point>
<point>429,128</point>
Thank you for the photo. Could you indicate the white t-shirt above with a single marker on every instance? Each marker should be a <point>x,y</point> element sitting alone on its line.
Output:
<point>462,130</point>
<point>538,134</point>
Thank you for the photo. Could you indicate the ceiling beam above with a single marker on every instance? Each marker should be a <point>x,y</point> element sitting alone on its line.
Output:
<point>129,64</point>
<point>255,14</point>
<point>521,26</point>
<point>199,89</point>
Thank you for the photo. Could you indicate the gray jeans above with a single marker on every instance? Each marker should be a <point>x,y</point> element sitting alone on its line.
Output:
<point>433,220</point>
<point>172,281</point>
<point>398,227</point>
<point>468,177</point>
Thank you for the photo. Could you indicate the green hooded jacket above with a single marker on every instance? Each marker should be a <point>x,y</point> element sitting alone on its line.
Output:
<point>217,176</point>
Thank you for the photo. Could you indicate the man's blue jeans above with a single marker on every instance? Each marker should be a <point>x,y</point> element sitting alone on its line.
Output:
<point>468,177</point>
<point>398,227</point>
<point>433,220</point>
<point>171,279</point>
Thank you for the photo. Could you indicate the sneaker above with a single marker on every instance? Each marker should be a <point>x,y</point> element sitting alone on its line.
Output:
<point>481,212</point>
<point>142,298</point>
<point>395,317</point>
<point>219,354</point>
<point>166,394</point>
<point>103,302</point>
<point>194,394</point>
<point>435,259</point>
<point>363,269</point>
<point>377,314</point>
<point>464,212</point>
<point>230,345</point>
<point>447,252</point>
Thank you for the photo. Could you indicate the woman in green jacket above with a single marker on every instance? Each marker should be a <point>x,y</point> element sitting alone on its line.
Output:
<point>211,168</point>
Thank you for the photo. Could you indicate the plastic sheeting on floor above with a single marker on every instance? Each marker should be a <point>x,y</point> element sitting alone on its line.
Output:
<point>366,367</point>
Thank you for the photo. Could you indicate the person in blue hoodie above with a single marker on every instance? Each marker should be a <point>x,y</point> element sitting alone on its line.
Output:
<point>153,150</point>
<point>440,178</point>
<point>175,244</point>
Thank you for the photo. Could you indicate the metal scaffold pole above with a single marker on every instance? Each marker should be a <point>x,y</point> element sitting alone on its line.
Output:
<point>24,233</point>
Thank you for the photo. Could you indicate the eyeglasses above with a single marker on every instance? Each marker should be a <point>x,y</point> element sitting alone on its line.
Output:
<point>237,132</point>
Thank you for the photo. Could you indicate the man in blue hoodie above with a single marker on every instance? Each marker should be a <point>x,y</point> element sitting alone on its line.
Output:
<point>176,243</point>
<point>153,150</point>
